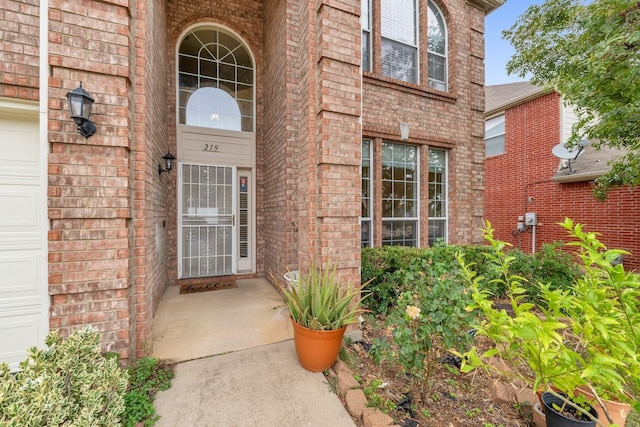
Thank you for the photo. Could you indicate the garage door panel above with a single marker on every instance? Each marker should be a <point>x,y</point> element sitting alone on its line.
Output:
<point>21,329</point>
<point>19,208</point>
<point>24,302</point>
<point>20,275</point>
<point>15,129</point>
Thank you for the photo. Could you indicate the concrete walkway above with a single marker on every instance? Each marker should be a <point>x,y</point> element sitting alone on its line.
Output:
<point>263,386</point>
<point>237,365</point>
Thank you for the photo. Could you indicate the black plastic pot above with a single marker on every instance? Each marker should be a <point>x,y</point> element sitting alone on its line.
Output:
<point>555,419</point>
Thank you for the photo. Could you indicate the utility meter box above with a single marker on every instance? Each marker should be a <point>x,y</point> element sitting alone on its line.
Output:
<point>530,219</point>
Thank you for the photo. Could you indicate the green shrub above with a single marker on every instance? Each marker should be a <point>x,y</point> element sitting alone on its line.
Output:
<point>146,377</point>
<point>550,265</point>
<point>393,268</point>
<point>429,318</point>
<point>68,384</point>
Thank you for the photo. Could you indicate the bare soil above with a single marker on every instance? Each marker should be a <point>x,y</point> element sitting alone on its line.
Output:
<point>454,399</point>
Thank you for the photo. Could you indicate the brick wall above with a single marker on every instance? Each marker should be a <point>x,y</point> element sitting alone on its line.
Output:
<point>90,252</point>
<point>450,120</point>
<point>279,150</point>
<point>19,54</point>
<point>519,181</point>
<point>151,190</point>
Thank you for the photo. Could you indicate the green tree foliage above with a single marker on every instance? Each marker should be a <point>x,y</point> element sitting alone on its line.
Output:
<point>590,53</point>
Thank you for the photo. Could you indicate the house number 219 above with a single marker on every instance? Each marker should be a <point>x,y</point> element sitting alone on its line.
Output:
<point>211,147</point>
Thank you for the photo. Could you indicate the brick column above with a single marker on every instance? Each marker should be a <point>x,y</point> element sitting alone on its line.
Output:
<point>330,184</point>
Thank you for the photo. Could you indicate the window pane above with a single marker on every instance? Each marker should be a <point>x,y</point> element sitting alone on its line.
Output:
<point>366,224</point>
<point>399,233</point>
<point>366,51</point>
<point>399,194</point>
<point>399,20</point>
<point>437,69</point>
<point>399,61</point>
<point>213,58</point>
<point>437,231</point>
<point>494,130</point>
<point>494,146</point>
<point>437,207</point>
<point>399,39</point>
<point>364,14</point>
<point>436,31</point>
<point>437,49</point>
<point>365,234</point>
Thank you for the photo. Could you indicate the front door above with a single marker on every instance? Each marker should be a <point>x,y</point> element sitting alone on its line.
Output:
<point>207,220</point>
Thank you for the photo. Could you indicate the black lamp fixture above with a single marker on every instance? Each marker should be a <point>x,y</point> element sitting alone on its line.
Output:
<point>80,103</point>
<point>168,161</point>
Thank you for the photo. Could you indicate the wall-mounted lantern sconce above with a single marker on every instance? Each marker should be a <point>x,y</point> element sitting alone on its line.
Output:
<point>80,103</point>
<point>168,162</point>
<point>404,131</point>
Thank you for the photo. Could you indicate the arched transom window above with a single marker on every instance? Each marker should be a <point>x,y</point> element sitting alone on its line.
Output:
<point>215,81</point>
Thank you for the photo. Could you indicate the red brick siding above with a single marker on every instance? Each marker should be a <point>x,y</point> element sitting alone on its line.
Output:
<point>19,54</point>
<point>89,179</point>
<point>524,173</point>
<point>279,149</point>
<point>151,190</point>
<point>451,120</point>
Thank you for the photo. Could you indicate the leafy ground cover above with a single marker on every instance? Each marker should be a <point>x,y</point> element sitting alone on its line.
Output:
<point>452,398</point>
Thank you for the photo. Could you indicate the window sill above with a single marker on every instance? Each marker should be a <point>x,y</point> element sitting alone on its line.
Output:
<point>412,88</point>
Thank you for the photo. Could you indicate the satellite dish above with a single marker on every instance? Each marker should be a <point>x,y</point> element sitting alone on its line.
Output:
<point>569,154</point>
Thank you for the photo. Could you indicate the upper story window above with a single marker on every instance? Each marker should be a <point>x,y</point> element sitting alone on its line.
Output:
<point>365,18</point>
<point>494,130</point>
<point>403,42</point>
<point>215,80</point>
<point>437,49</point>
<point>399,32</point>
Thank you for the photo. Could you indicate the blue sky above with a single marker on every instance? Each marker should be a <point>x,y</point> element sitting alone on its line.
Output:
<point>498,51</point>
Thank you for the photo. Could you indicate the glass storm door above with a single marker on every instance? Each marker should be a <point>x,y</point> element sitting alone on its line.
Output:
<point>207,222</point>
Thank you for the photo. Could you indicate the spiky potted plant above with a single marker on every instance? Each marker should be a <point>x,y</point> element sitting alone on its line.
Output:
<point>321,309</point>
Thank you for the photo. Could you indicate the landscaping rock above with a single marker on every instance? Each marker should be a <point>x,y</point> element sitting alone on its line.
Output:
<point>340,366</point>
<point>346,382</point>
<point>356,402</point>
<point>373,417</point>
<point>501,391</point>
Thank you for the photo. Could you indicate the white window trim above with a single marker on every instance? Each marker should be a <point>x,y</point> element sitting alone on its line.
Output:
<point>384,219</point>
<point>416,18</point>
<point>446,191</point>
<point>431,4</point>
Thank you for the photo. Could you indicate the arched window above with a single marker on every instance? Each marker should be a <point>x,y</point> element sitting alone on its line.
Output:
<point>215,80</point>
<point>436,49</point>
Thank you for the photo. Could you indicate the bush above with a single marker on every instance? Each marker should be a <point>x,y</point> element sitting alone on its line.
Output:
<point>551,265</point>
<point>68,384</point>
<point>430,318</point>
<point>146,378</point>
<point>390,268</point>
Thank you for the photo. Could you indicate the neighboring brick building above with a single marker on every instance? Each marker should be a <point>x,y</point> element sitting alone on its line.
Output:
<point>524,124</point>
<point>265,104</point>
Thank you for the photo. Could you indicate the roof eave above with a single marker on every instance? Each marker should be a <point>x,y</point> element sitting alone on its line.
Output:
<point>577,177</point>
<point>487,5</point>
<point>502,108</point>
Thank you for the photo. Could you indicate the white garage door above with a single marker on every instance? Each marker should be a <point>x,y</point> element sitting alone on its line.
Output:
<point>23,278</point>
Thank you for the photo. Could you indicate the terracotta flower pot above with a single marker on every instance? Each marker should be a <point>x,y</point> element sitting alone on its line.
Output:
<point>317,350</point>
<point>618,411</point>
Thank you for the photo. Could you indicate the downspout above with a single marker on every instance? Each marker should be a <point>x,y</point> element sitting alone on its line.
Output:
<point>43,116</point>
